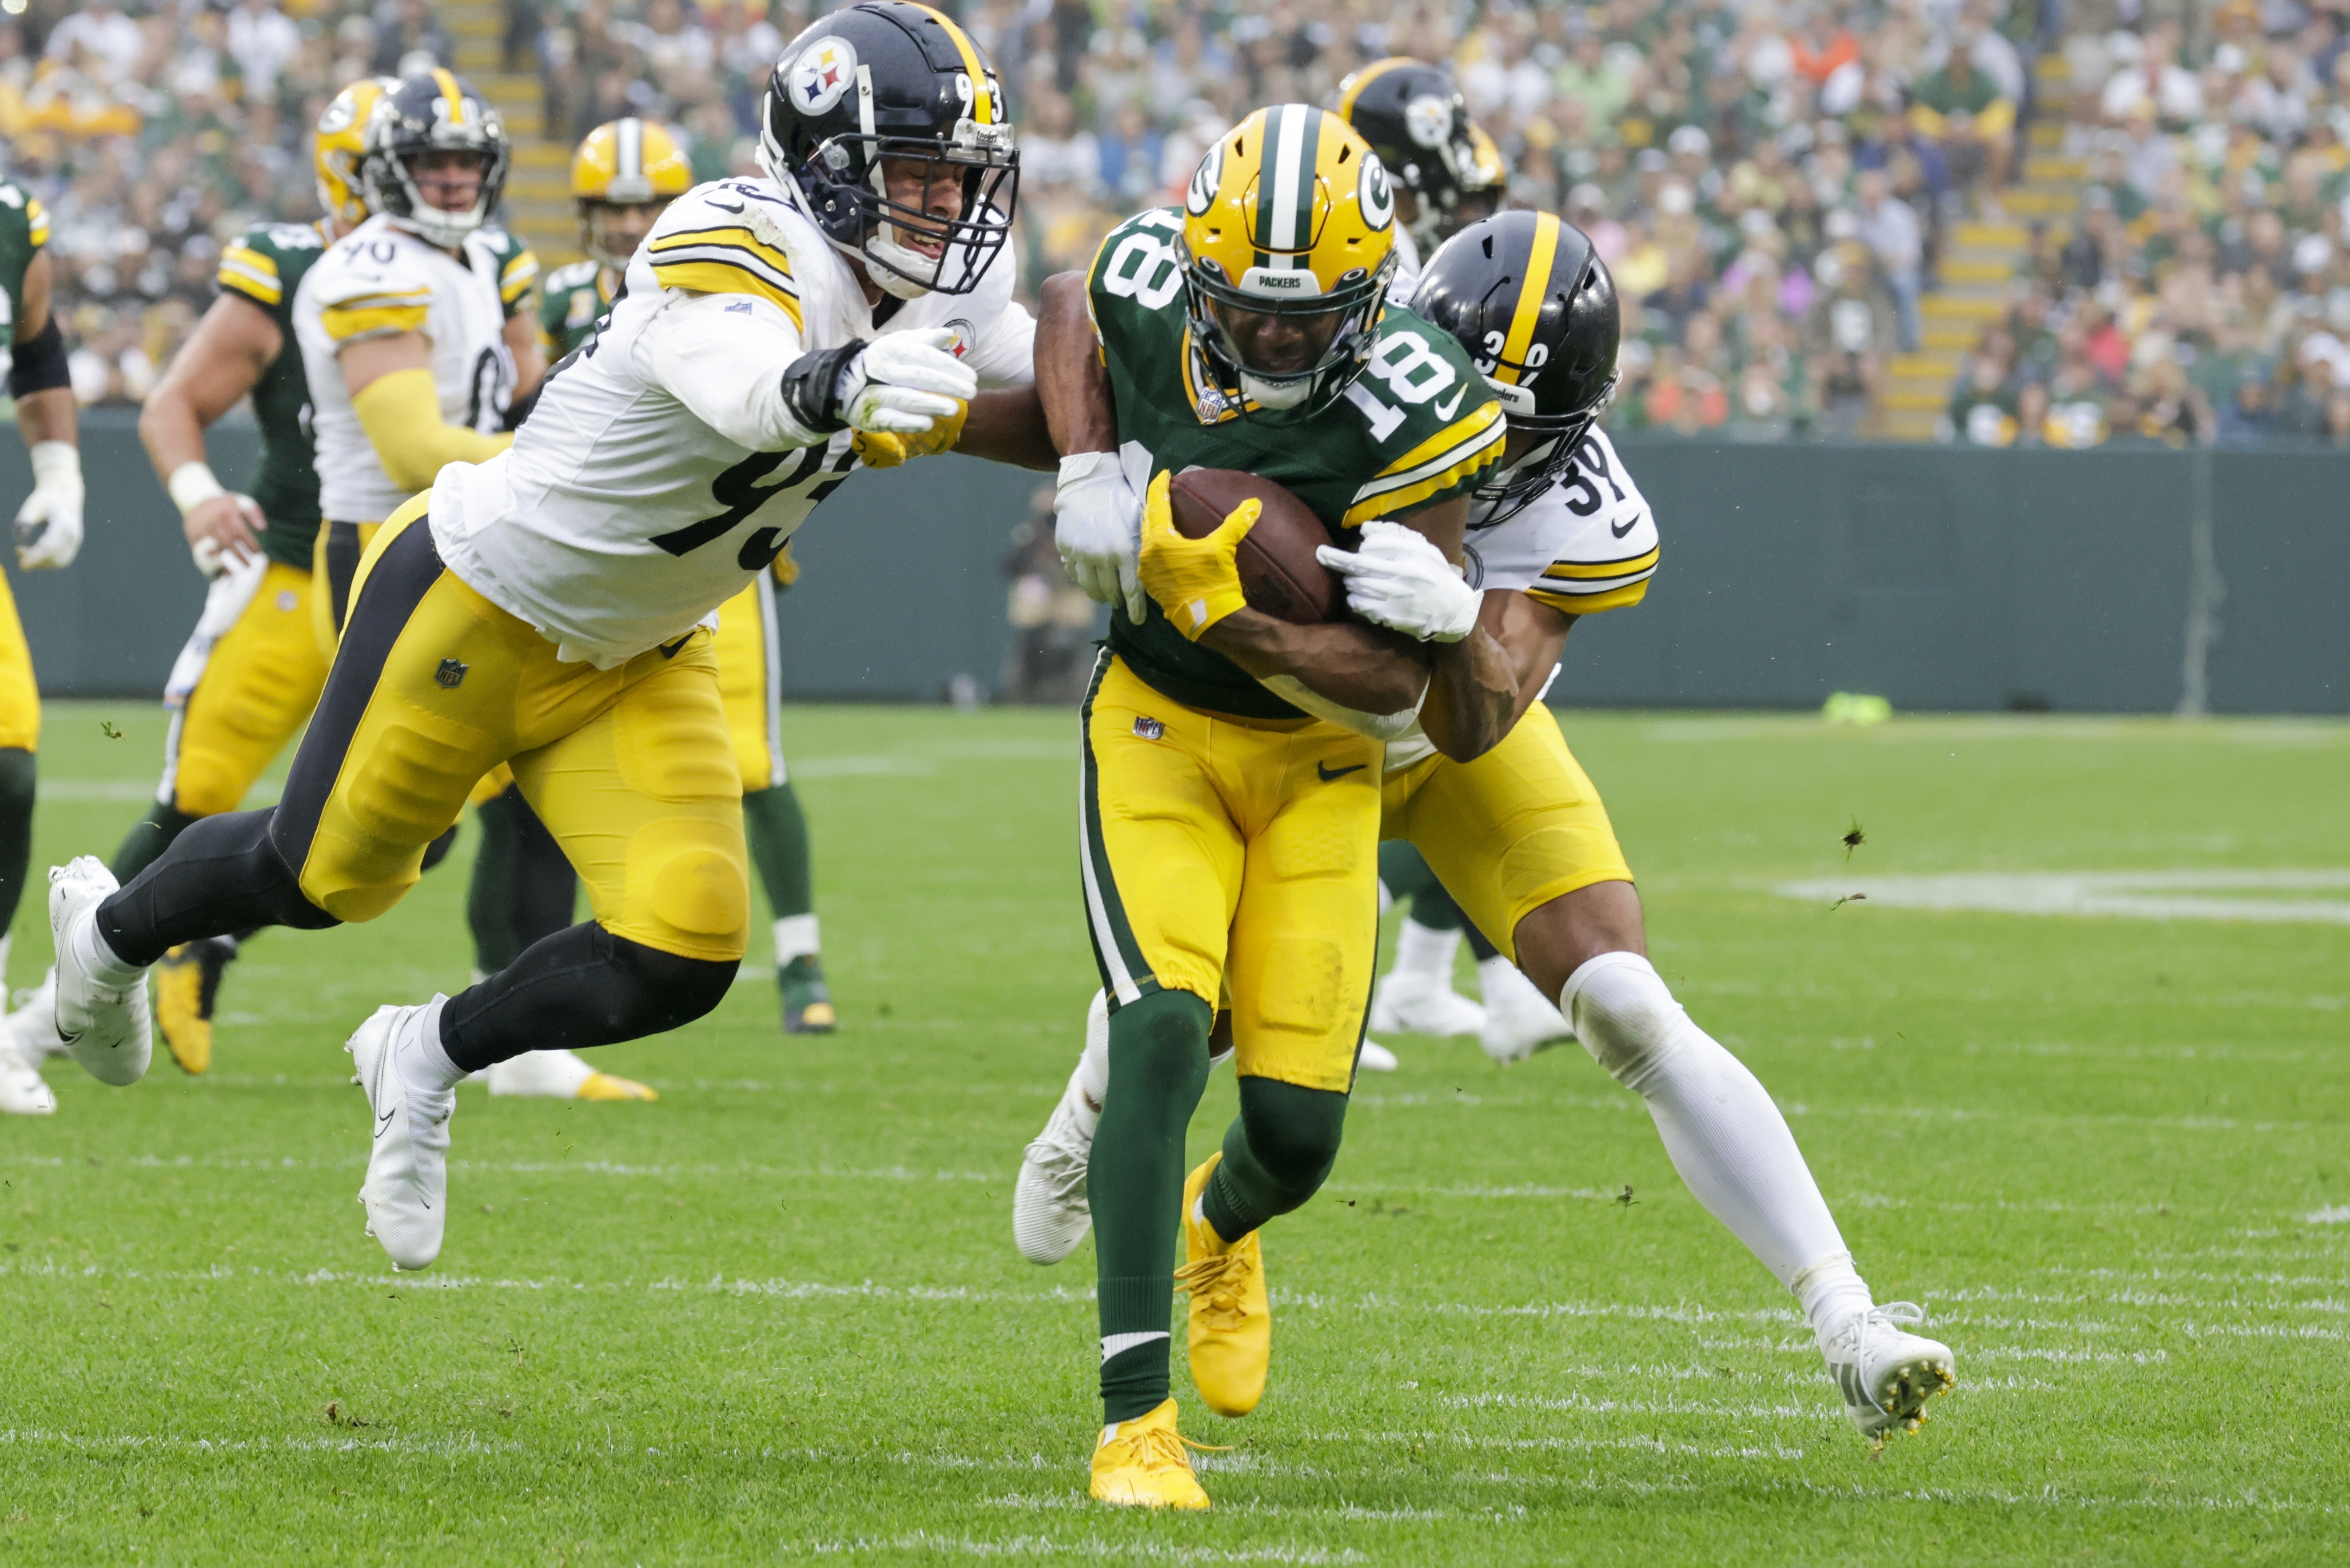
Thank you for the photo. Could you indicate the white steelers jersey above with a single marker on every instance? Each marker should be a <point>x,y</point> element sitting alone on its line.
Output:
<point>383,280</point>
<point>1406,272</point>
<point>622,518</point>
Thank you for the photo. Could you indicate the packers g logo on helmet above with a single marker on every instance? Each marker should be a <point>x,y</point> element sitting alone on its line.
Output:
<point>621,165</point>
<point>1289,216</point>
<point>339,144</point>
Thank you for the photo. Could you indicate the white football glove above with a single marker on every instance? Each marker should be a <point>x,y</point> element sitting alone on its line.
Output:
<point>899,383</point>
<point>1097,523</point>
<point>49,526</point>
<point>1402,582</point>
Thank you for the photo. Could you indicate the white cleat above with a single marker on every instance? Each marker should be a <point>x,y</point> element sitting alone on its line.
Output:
<point>407,1187</point>
<point>1419,1004</point>
<point>1374,1057</point>
<point>1519,1019</point>
<point>110,1029</point>
<point>1886,1373</point>
<point>32,1029</point>
<point>1050,1214</point>
<point>22,1092</point>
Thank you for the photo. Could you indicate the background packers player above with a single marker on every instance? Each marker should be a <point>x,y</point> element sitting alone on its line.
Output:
<point>1558,534</point>
<point>623,177</point>
<point>1231,836</point>
<point>549,608</point>
<point>48,534</point>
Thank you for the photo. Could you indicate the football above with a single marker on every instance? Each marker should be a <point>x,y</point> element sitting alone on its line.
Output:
<point>1277,565</point>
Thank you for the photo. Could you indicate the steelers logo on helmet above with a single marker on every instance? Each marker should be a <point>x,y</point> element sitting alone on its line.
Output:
<point>1285,263</point>
<point>1206,181</point>
<point>823,74</point>
<point>1428,119</point>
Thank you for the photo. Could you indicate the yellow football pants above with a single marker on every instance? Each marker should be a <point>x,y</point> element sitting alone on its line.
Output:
<point>259,682</point>
<point>433,686</point>
<point>1509,832</point>
<point>20,698</point>
<point>1234,855</point>
<point>749,683</point>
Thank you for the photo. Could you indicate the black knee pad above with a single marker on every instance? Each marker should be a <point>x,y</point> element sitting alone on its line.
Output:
<point>578,988</point>
<point>677,990</point>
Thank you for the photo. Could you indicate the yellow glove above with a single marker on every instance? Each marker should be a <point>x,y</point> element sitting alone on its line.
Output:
<point>1194,580</point>
<point>785,566</point>
<point>880,449</point>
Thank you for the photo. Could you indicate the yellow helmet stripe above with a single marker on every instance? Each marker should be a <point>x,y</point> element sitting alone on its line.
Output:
<point>456,100</point>
<point>1364,78</point>
<point>983,103</point>
<point>1531,294</point>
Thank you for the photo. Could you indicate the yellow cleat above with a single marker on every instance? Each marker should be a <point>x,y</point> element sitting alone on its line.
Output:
<point>611,1086</point>
<point>1141,1463</point>
<point>184,982</point>
<point>1232,1311</point>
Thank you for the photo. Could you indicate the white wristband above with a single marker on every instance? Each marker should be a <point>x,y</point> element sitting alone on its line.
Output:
<point>192,485</point>
<point>55,462</point>
<point>1081,464</point>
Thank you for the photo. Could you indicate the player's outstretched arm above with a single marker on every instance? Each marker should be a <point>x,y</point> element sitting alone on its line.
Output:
<point>219,364</point>
<point>49,526</point>
<point>1010,427</point>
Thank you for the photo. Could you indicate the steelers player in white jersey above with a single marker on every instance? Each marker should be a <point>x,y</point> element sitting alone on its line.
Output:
<point>1447,173</point>
<point>1519,834</point>
<point>551,607</point>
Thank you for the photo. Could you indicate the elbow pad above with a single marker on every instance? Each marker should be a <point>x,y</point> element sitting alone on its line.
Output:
<point>39,365</point>
<point>402,415</point>
<point>811,388</point>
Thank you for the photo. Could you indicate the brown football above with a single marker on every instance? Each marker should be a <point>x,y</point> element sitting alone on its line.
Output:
<point>1277,565</point>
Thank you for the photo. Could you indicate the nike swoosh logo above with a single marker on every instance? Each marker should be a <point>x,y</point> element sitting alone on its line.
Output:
<point>728,206</point>
<point>1446,410</point>
<point>1329,773</point>
<point>1631,523</point>
<point>384,1121</point>
<point>668,650</point>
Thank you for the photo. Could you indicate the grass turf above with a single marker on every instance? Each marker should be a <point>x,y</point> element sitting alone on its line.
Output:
<point>778,1315</point>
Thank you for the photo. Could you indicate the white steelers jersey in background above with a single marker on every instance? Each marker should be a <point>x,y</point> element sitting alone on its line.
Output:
<point>1586,544</point>
<point>619,519</point>
<point>381,281</point>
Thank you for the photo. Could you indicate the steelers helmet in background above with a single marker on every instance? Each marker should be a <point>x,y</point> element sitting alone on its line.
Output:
<point>435,110</point>
<point>1289,214</point>
<point>1534,304</point>
<point>1417,121</point>
<point>339,143</point>
<point>887,79</point>
<point>624,173</point>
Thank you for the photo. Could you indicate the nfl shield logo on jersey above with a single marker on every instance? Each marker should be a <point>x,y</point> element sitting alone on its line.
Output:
<point>1149,729</point>
<point>449,673</point>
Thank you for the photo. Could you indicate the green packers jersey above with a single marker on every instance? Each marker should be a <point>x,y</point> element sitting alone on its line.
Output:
<point>574,299</point>
<point>24,230</point>
<point>265,265</point>
<point>517,269</point>
<point>1418,427</point>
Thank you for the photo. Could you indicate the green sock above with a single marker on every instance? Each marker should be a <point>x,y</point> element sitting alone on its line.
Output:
<point>489,895</point>
<point>1277,1153</point>
<point>1158,1066</point>
<point>777,831</point>
<point>17,771</point>
<point>148,838</point>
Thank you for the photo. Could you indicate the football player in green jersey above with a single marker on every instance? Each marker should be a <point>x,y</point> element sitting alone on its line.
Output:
<point>1230,829</point>
<point>48,534</point>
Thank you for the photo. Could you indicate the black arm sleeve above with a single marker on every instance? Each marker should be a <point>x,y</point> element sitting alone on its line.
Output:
<point>38,366</point>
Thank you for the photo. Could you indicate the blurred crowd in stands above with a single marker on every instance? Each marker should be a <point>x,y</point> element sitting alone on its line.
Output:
<point>2140,202</point>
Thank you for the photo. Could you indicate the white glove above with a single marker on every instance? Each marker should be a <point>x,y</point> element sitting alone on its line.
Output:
<point>899,383</point>
<point>49,526</point>
<point>1402,582</point>
<point>1097,523</point>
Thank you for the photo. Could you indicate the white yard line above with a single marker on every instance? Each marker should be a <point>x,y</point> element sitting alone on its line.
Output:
<point>2180,895</point>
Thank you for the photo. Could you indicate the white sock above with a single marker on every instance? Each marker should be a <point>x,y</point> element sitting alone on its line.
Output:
<point>6,942</point>
<point>1425,953</point>
<point>425,1067</point>
<point>1831,1291</point>
<point>794,938</point>
<point>97,958</point>
<point>1726,1137</point>
<point>1093,1065</point>
<point>1498,982</point>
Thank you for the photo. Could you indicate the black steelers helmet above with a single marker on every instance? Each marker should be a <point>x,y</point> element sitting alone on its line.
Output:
<point>434,110</point>
<point>1415,121</point>
<point>896,81</point>
<point>1532,304</point>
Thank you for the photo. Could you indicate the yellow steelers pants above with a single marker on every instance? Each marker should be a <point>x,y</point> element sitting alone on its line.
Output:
<point>252,691</point>
<point>20,698</point>
<point>433,686</point>
<point>749,683</point>
<point>1509,832</point>
<point>1238,856</point>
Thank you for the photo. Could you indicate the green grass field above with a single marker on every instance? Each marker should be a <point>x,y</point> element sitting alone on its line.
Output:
<point>777,1316</point>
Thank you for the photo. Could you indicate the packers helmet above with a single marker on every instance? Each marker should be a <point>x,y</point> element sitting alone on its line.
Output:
<point>625,164</point>
<point>1290,215</point>
<point>434,110</point>
<point>1417,121</point>
<point>1531,301</point>
<point>889,82</point>
<point>336,151</point>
